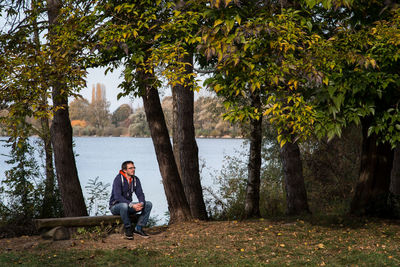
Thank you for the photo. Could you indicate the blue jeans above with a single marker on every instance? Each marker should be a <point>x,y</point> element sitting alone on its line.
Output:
<point>125,211</point>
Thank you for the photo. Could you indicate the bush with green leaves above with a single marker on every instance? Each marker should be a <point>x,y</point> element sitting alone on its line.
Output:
<point>330,172</point>
<point>22,190</point>
<point>228,200</point>
<point>98,196</point>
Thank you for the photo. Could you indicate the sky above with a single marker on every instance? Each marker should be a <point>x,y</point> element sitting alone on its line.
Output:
<point>111,82</point>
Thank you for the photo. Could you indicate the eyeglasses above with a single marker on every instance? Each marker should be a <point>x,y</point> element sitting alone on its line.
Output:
<point>131,168</point>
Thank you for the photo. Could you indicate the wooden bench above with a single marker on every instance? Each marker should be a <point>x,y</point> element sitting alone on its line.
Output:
<point>58,228</point>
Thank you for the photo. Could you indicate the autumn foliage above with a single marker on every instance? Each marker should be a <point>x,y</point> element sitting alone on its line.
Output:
<point>81,123</point>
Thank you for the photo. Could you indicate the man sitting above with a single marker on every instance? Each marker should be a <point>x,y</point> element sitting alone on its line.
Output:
<point>125,183</point>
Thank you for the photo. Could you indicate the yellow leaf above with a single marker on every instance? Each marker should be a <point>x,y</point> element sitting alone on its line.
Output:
<point>242,249</point>
<point>283,142</point>
<point>282,245</point>
<point>218,22</point>
<point>321,246</point>
<point>326,80</point>
<point>373,63</point>
<point>238,19</point>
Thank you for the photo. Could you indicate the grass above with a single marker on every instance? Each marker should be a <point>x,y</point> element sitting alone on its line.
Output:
<point>283,242</point>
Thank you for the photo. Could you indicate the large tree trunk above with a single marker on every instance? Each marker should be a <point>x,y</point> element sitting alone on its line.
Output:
<point>394,189</point>
<point>296,195</point>
<point>372,188</point>
<point>252,202</point>
<point>177,204</point>
<point>67,174</point>
<point>61,131</point>
<point>187,146</point>
<point>395,174</point>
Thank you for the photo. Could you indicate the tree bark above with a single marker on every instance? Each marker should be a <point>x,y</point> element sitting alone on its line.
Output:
<point>61,131</point>
<point>296,195</point>
<point>177,204</point>
<point>395,174</point>
<point>175,136</point>
<point>252,202</point>
<point>49,198</point>
<point>394,189</point>
<point>372,188</point>
<point>187,146</point>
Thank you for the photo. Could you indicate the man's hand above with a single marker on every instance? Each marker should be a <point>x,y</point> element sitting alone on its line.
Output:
<point>137,206</point>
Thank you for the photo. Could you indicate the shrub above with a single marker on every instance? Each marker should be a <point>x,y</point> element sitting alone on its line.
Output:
<point>227,202</point>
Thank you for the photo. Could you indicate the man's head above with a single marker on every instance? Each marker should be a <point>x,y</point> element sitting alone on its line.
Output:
<point>128,167</point>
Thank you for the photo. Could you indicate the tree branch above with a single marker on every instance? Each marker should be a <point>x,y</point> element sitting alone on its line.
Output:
<point>204,71</point>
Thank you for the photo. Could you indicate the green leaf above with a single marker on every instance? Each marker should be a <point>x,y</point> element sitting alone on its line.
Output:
<point>229,24</point>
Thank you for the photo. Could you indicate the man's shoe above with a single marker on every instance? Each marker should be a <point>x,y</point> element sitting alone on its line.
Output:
<point>128,233</point>
<point>140,233</point>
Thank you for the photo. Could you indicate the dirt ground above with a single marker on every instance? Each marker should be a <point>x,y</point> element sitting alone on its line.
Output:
<point>114,240</point>
<point>81,242</point>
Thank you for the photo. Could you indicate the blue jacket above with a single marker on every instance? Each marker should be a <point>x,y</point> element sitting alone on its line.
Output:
<point>122,192</point>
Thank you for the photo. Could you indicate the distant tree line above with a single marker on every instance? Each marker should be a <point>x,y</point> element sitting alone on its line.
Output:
<point>125,121</point>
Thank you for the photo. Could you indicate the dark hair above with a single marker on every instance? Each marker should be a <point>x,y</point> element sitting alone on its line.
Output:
<point>125,163</point>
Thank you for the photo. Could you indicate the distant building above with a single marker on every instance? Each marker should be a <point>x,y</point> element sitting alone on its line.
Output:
<point>98,92</point>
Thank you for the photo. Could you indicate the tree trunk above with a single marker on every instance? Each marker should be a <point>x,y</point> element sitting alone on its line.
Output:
<point>252,202</point>
<point>395,174</point>
<point>177,204</point>
<point>61,131</point>
<point>49,198</point>
<point>187,146</point>
<point>175,137</point>
<point>296,195</point>
<point>394,189</point>
<point>372,188</point>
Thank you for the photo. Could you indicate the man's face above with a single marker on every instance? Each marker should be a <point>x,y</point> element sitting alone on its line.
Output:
<point>130,169</point>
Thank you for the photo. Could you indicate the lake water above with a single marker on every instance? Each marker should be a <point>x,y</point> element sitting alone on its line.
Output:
<point>102,157</point>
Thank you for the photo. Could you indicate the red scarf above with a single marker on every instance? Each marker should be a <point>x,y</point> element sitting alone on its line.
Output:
<point>129,179</point>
